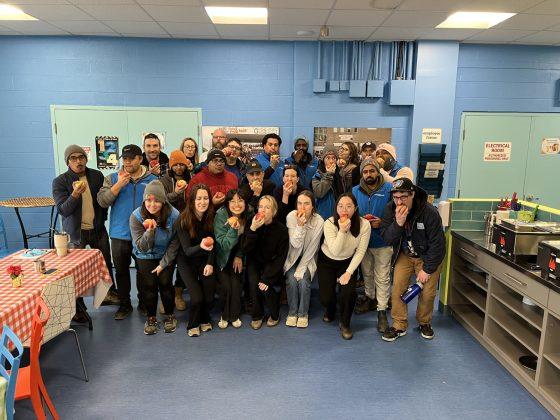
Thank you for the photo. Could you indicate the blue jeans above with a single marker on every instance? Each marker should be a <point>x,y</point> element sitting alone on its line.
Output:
<point>298,293</point>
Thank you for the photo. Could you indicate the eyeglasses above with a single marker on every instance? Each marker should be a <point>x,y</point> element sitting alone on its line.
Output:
<point>403,197</point>
<point>219,137</point>
<point>189,147</point>
<point>237,202</point>
<point>77,158</point>
<point>234,148</point>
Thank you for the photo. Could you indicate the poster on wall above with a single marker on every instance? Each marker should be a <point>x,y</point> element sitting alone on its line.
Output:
<point>335,136</point>
<point>495,151</point>
<point>250,137</point>
<point>87,149</point>
<point>431,135</point>
<point>160,136</point>
<point>107,149</point>
<point>550,146</point>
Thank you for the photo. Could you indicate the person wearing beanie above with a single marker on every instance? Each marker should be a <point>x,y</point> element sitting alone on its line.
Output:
<point>215,177</point>
<point>153,158</point>
<point>178,171</point>
<point>391,169</point>
<point>324,183</point>
<point>413,227</point>
<point>305,163</point>
<point>151,227</point>
<point>123,191</point>
<point>74,193</point>
<point>373,194</point>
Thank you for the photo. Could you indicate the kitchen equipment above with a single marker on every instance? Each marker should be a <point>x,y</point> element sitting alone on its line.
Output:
<point>549,259</point>
<point>514,237</point>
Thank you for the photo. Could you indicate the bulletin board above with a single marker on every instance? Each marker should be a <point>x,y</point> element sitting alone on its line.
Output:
<point>335,136</point>
<point>103,131</point>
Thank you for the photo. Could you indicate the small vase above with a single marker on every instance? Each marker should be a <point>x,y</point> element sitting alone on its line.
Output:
<point>17,280</point>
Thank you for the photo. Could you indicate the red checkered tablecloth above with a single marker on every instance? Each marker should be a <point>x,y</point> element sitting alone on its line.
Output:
<point>87,266</point>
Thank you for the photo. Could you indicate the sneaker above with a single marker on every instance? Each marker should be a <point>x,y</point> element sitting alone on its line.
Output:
<point>302,321</point>
<point>346,332</point>
<point>382,323</point>
<point>272,322</point>
<point>161,309</point>
<point>142,309</point>
<point>112,298</point>
<point>170,324</point>
<point>391,334</point>
<point>291,321</point>
<point>237,323</point>
<point>223,324</point>
<point>123,312</point>
<point>194,332</point>
<point>80,317</point>
<point>327,318</point>
<point>206,327</point>
<point>365,304</point>
<point>180,303</point>
<point>256,324</point>
<point>151,326</point>
<point>426,331</point>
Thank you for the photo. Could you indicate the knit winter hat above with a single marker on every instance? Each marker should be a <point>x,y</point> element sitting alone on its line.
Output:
<point>328,150</point>
<point>389,148</point>
<point>73,148</point>
<point>156,189</point>
<point>176,157</point>
<point>369,161</point>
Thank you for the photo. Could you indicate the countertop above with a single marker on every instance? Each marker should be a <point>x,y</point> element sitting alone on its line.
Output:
<point>481,242</point>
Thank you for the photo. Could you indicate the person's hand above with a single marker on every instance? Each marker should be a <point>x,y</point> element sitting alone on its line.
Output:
<point>375,222</point>
<point>344,226</point>
<point>79,188</point>
<point>157,271</point>
<point>287,189</point>
<point>274,161</point>
<point>206,248</point>
<point>257,187</point>
<point>301,219</point>
<point>422,277</point>
<point>208,270</point>
<point>255,224</point>
<point>341,163</point>
<point>156,170</point>
<point>298,155</point>
<point>263,286</point>
<point>190,165</point>
<point>218,198</point>
<point>345,278</point>
<point>400,215</point>
<point>123,178</point>
<point>331,168</point>
<point>181,188</point>
<point>237,265</point>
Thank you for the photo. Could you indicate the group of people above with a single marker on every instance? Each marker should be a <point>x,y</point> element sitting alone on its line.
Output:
<point>250,231</point>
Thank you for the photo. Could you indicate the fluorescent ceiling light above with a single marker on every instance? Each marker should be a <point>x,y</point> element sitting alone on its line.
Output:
<point>474,20</point>
<point>238,15</point>
<point>8,12</point>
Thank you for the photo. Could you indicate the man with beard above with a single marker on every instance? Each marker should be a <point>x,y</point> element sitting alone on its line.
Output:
<point>153,158</point>
<point>373,194</point>
<point>270,160</point>
<point>176,179</point>
<point>368,150</point>
<point>306,164</point>
<point>386,156</point>
<point>219,140</point>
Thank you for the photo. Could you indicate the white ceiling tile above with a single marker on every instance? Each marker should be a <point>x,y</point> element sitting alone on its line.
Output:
<point>117,12</point>
<point>189,29</point>
<point>350,32</point>
<point>468,5</point>
<point>242,30</point>
<point>290,31</point>
<point>101,2</point>
<point>297,16</point>
<point>357,18</point>
<point>178,14</point>
<point>170,2</point>
<point>499,35</point>
<point>450,34</point>
<point>83,26</point>
<point>142,35</point>
<point>235,3</point>
<point>415,19</point>
<point>300,4</point>
<point>547,7</point>
<point>37,27</point>
<point>7,31</point>
<point>543,37</point>
<point>367,4</point>
<point>397,34</point>
<point>128,27</point>
<point>37,2</point>
<point>55,11</point>
<point>529,22</point>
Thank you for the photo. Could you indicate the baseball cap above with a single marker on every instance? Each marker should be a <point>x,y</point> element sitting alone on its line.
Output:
<point>254,166</point>
<point>368,144</point>
<point>215,153</point>
<point>403,185</point>
<point>131,151</point>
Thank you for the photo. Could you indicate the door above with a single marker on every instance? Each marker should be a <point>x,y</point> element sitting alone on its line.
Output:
<point>491,177</point>
<point>543,161</point>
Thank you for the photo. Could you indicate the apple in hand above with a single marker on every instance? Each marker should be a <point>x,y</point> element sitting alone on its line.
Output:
<point>149,224</point>
<point>219,195</point>
<point>341,163</point>
<point>300,214</point>
<point>259,216</point>
<point>343,218</point>
<point>208,241</point>
<point>369,217</point>
<point>227,151</point>
<point>154,163</point>
<point>181,183</point>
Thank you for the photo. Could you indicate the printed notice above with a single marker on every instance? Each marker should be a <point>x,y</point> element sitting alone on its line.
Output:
<point>431,173</point>
<point>431,135</point>
<point>550,146</point>
<point>497,151</point>
<point>435,166</point>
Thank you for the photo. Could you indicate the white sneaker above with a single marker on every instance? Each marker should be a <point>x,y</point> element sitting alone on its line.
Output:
<point>206,327</point>
<point>194,332</point>
<point>291,321</point>
<point>223,324</point>
<point>302,322</point>
<point>237,323</point>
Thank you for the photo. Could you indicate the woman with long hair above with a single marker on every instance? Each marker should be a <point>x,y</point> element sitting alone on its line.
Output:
<point>230,225</point>
<point>305,228</point>
<point>325,183</point>
<point>349,166</point>
<point>151,227</point>
<point>193,246</point>
<point>190,149</point>
<point>346,241</point>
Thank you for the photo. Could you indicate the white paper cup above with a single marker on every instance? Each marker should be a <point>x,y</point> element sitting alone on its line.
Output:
<point>61,244</point>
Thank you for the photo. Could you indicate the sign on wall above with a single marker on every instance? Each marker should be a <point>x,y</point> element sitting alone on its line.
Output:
<point>431,135</point>
<point>550,146</point>
<point>251,138</point>
<point>497,151</point>
<point>107,148</point>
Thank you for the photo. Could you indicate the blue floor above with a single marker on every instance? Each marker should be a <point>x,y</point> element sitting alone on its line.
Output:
<point>279,373</point>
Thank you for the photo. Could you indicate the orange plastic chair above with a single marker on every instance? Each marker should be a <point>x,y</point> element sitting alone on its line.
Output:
<point>30,381</point>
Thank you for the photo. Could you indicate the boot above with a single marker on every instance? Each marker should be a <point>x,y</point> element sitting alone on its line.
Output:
<point>382,323</point>
<point>365,304</point>
<point>180,303</point>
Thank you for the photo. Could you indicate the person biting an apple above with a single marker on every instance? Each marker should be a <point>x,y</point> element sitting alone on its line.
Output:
<point>176,179</point>
<point>256,186</point>
<point>287,194</point>
<point>304,161</point>
<point>153,158</point>
<point>348,163</point>
<point>270,160</point>
<point>232,152</point>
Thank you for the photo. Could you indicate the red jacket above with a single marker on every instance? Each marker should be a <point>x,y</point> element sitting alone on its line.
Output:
<point>216,182</point>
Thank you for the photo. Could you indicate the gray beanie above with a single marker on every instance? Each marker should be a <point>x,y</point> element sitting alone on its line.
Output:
<point>369,161</point>
<point>73,148</point>
<point>156,189</point>
<point>328,150</point>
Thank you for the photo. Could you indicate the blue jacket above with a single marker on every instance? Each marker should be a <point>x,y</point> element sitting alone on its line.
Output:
<point>305,174</point>
<point>275,175</point>
<point>323,188</point>
<point>151,245</point>
<point>375,205</point>
<point>396,169</point>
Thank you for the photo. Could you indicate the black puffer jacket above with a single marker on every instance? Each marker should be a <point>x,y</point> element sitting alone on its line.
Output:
<point>427,232</point>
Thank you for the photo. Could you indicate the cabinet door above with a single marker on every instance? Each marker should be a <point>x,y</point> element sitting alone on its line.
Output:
<point>490,179</point>
<point>543,170</point>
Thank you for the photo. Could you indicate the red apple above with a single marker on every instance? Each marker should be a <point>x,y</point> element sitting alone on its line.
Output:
<point>369,217</point>
<point>227,151</point>
<point>181,183</point>
<point>259,216</point>
<point>149,223</point>
<point>153,163</point>
<point>208,241</point>
<point>343,218</point>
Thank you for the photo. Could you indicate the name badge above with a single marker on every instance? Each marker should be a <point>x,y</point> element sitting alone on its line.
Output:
<point>420,225</point>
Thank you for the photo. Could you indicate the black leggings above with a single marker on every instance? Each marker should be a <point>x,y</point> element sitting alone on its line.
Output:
<point>152,282</point>
<point>328,271</point>
<point>201,289</point>
<point>230,293</point>
<point>271,296</point>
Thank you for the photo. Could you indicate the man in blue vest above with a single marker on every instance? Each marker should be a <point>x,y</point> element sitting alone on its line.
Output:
<point>270,160</point>
<point>391,169</point>
<point>304,161</point>
<point>373,194</point>
<point>123,191</point>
